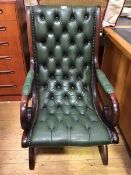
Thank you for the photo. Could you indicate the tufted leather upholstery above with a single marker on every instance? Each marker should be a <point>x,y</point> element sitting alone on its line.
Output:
<point>63,41</point>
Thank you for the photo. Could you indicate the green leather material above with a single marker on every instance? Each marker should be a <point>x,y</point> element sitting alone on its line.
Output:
<point>106,85</point>
<point>78,126</point>
<point>63,40</point>
<point>28,83</point>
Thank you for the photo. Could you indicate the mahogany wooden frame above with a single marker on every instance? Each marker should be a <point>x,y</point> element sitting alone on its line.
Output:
<point>114,105</point>
<point>110,113</point>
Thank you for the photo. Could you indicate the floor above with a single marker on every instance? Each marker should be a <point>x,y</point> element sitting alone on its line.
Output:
<point>66,161</point>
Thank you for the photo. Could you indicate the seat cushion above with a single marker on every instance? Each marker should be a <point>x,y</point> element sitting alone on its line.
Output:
<point>69,128</point>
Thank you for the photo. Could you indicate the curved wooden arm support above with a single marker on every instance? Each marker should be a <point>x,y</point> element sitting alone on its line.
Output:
<point>112,111</point>
<point>27,116</point>
<point>25,113</point>
<point>24,141</point>
<point>115,109</point>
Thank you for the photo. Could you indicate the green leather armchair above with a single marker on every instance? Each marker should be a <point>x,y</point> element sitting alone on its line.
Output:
<point>67,106</point>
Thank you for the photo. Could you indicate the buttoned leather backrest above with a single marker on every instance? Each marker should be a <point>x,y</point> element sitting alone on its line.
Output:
<point>63,44</point>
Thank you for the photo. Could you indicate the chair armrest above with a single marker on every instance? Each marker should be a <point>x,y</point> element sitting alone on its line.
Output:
<point>28,83</point>
<point>25,111</point>
<point>110,112</point>
<point>104,82</point>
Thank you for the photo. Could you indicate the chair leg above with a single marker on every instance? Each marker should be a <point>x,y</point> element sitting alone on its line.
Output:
<point>31,158</point>
<point>103,149</point>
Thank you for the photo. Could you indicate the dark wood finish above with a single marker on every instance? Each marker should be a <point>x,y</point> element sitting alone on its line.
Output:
<point>112,116</point>
<point>24,139</point>
<point>111,110</point>
<point>13,48</point>
<point>115,110</point>
<point>117,66</point>
<point>31,158</point>
<point>103,149</point>
<point>25,99</point>
<point>23,112</point>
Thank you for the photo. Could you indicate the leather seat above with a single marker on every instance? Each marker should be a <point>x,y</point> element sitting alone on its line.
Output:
<point>63,126</point>
<point>67,109</point>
